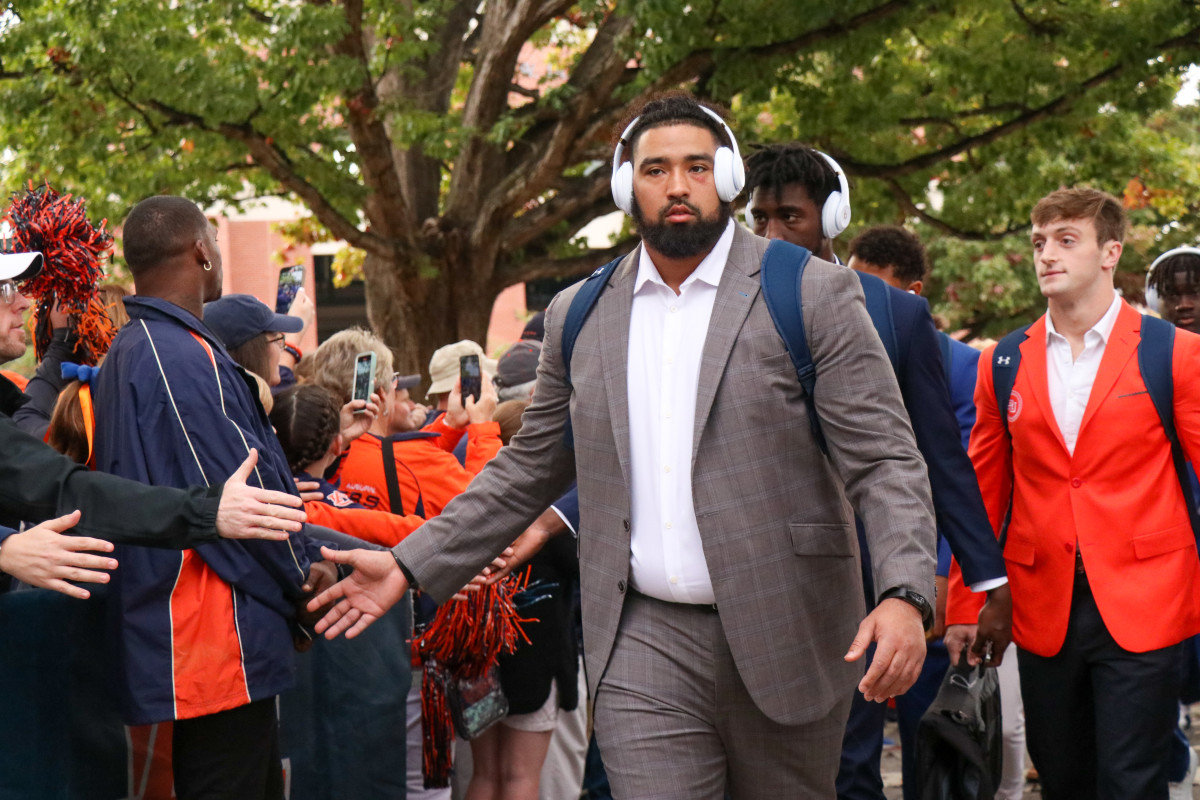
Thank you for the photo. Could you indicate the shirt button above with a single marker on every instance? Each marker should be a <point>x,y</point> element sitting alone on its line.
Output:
<point>667,526</point>
<point>1076,483</point>
<point>667,414</point>
<point>673,309</point>
<point>667,468</point>
<point>674,579</point>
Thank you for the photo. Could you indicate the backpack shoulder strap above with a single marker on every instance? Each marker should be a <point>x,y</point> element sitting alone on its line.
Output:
<point>879,305</point>
<point>1155,351</point>
<point>395,499</point>
<point>577,313</point>
<point>782,273</point>
<point>944,343</point>
<point>1006,359</point>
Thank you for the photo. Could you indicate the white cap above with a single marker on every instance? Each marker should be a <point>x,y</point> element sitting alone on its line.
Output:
<point>19,266</point>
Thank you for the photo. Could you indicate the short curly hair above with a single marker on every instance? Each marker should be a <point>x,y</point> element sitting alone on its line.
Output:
<point>892,246</point>
<point>306,418</point>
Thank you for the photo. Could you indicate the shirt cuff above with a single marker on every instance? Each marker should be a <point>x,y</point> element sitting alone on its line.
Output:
<point>566,521</point>
<point>5,533</point>
<point>989,584</point>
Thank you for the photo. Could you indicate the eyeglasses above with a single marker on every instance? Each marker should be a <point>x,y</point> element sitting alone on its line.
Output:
<point>8,290</point>
<point>276,340</point>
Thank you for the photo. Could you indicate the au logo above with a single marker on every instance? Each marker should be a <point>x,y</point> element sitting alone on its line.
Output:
<point>1015,404</point>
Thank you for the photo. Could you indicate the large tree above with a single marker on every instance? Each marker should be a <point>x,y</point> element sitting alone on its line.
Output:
<point>410,130</point>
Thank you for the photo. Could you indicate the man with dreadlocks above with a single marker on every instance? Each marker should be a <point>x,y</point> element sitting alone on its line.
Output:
<point>800,195</point>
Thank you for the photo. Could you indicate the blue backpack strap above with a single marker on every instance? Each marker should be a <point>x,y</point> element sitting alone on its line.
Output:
<point>947,354</point>
<point>1155,351</point>
<point>782,272</point>
<point>1006,359</point>
<point>879,305</point>
<point>577,313</point>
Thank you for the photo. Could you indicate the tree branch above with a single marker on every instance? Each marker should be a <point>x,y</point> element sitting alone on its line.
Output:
<point>1059,104</point>
<point>902,198</point>
<point>550,267</point>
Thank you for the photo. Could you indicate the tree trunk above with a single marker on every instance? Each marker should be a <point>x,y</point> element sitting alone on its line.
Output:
<point>399,306</point>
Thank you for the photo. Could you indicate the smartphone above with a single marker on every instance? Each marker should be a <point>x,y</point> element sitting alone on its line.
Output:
<point>290,280</point>
<point>364,378</point>
<point>470,376</point>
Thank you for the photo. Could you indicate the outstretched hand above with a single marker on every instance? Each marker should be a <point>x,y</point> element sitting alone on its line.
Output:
<point>362,597</point>
<point>895,627</point>
<point>248,512</point>
<point>42,556</point>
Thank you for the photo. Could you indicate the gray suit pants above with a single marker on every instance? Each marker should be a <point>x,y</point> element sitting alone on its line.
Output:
<point>674,720</point>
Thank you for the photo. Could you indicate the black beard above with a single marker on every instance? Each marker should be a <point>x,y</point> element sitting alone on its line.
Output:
<point>688,240</point>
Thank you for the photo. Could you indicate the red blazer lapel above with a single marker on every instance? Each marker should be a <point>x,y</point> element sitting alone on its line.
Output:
<point>1033,370</point>
<point>1122,344</point>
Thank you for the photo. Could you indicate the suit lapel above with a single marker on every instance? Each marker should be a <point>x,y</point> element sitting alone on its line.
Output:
<point>1033,359</point>
<point>613,311</point>
<point>735,295</point>
<point>1122,344</point>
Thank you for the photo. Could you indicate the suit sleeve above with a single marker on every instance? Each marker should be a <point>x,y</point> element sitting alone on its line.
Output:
<point>956,500</point>
<point>870,439</point>
<point>511,491</point>
<point>991,454</point>
<point>38,483</point>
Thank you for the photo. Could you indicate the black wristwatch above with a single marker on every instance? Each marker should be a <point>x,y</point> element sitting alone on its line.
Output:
<point>913,599</point>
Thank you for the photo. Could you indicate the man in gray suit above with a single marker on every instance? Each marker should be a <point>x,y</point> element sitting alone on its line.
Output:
<point>718,555</point>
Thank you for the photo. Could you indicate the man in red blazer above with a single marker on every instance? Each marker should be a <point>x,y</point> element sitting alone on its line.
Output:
<point>1100,553</point>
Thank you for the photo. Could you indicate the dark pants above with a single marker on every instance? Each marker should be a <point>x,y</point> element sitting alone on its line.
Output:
<point>1100,719</point>
<point>230,755</point>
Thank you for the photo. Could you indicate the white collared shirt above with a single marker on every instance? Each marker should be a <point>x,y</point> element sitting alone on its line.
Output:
<point>1069,381</point>
<point>666,342</point>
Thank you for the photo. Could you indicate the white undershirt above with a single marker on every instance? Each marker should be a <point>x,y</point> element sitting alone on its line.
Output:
<point>1069,381</point>
<point>666,342</point>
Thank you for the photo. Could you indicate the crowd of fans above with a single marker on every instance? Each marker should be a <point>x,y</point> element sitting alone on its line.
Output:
<point>211,580</point>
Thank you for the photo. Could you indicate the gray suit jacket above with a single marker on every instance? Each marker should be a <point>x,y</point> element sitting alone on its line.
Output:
<point>774,513</point>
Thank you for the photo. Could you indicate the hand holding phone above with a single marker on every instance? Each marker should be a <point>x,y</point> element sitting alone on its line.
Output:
<point>470,377</point>
<point>364,378</point>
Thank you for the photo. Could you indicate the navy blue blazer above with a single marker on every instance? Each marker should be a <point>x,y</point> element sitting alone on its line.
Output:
<point>957,502</point>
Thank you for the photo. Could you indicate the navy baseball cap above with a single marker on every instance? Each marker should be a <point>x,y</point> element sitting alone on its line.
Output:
<point>238,318</point>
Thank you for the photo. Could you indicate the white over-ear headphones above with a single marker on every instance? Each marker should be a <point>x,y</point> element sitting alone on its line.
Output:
<point>835,214</point>
<point>1152,293</point>
<point>729,173</point>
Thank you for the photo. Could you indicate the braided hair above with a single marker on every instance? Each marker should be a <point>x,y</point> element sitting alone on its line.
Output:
<point>306,418</point>
<point>777,165</point>
<point>1162,279</point>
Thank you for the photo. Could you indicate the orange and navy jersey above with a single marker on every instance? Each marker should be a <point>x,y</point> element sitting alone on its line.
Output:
<point>208,629</point>
<point>339,511</point>
<point>428,476</point>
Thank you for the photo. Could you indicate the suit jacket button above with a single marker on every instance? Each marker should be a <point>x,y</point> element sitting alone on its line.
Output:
<point>625,525</point>
<point>621,587</point>
<point>1076,483</point>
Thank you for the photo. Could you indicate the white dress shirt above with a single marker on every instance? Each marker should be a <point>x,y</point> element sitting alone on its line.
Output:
<point>666,342</point>
<point>1069,380</point>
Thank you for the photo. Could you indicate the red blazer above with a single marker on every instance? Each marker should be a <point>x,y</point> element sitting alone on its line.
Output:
<point>1117,497</point>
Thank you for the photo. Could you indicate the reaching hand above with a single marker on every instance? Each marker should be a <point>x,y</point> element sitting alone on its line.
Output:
<point>310,491</point>
<point>895,627</point>
<point>361,598</point>
<point>42,556</point>
<point>247,512</point>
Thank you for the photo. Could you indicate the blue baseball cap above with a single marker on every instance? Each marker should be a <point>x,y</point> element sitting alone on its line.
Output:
<point>238,318</point>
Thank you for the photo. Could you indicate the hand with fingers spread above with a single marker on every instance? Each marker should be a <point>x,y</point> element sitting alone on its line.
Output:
<point>362,597</point>
<point>42,556</point>
<point>248,512</point>
<point>895,627</point>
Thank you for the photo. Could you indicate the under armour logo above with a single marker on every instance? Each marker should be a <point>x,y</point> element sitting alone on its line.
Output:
<point>1003,361</point>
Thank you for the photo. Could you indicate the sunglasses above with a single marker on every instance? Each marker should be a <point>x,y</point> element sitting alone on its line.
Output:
<point>8,291</point>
